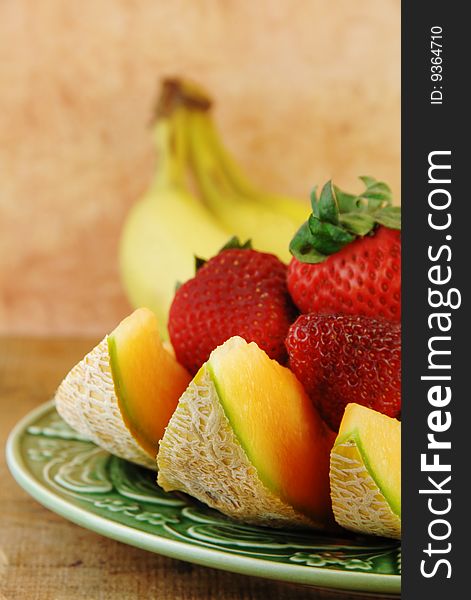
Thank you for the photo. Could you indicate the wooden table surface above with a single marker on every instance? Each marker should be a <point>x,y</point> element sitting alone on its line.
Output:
<point>45,557</point>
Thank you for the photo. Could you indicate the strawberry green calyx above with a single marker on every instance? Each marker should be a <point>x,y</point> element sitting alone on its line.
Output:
<point>233,243</point>
<point>339,218</point>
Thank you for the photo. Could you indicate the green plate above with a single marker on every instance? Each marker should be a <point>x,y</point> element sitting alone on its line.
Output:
<point>88,486</point>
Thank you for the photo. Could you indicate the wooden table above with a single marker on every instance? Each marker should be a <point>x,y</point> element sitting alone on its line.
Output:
<point>45,557</point>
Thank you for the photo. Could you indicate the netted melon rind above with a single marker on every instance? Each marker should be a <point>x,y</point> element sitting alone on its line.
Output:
<point>87,401</point>
<point>201,456</point>
<point>357,501</point>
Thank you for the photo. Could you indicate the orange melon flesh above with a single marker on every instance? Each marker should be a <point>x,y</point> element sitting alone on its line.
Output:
<point>378,439</point>
<point>276,425</point>
<point>148,380</point>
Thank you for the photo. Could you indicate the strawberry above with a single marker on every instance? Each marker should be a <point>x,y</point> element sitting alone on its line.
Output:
<point>238,292</point>
<point>347,256</point>
<point>345,358</point>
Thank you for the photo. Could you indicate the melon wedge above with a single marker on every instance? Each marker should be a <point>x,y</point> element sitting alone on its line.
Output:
<point>123,393</point>
<point>365,473</point>
<point>246,440</point>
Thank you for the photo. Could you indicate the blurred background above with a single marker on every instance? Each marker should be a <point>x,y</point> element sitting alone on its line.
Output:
<point>304,91</point>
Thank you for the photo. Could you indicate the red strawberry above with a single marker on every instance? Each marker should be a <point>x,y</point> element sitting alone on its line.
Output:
<point>343,358</point>
<point>238,292</point>
<point>347,257</point>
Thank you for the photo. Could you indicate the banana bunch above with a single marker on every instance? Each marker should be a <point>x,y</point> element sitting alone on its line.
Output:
<point>172,224</point>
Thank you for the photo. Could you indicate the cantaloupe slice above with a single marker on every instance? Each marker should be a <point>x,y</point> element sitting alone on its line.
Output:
<point>365,473</point>
<point>123,393</point>
<point>246,440</point>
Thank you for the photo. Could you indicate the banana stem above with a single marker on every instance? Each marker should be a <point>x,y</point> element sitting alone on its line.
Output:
<point>232,171</point>
<point>170,143</point>
<point>210,175</point>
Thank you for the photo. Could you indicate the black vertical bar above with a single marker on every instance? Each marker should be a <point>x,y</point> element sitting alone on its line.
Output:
<point>426,128</point>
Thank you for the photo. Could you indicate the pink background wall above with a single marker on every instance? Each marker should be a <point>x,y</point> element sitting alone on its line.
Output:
<point>306,90</point>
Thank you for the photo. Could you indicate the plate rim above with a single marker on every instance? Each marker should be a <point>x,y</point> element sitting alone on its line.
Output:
<point>381,583</point>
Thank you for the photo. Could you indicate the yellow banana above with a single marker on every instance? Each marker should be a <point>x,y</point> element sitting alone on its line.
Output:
<point>194,97</point>
<point>295,209</point>
<point>269,229</point>
<point>166,228</point>
<point>169,225</point>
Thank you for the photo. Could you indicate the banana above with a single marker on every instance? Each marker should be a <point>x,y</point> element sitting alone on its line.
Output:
<point>166,228</point>
<point>293,208</point>
<point>269,229</point>
<point>194,97</point>
<point>169,225</point>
